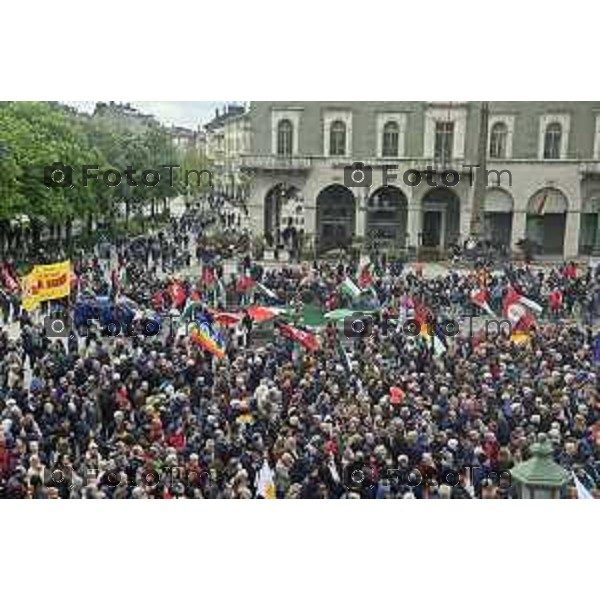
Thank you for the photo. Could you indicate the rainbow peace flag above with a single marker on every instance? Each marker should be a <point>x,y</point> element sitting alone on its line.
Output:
<point>204,335</point>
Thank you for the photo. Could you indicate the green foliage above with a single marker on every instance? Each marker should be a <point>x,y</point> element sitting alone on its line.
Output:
<point>34,135</point>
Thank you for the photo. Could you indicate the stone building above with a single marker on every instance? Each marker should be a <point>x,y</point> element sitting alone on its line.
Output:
<point>227,138</point>
<point>188,139</point>
<point>543,180</point>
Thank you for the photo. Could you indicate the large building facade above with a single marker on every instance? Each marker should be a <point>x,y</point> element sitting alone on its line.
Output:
<point>227,139</point>
<point>543,181</point>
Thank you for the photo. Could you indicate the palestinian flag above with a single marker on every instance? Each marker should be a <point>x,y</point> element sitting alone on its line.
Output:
<point>514,308</point>
<point>423,316</point>
<point>479,298</point>
<point>304,338</point>
<point>191,307</point>
<point>350,288</point>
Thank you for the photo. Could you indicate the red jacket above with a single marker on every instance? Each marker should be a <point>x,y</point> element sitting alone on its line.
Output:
<point>177,440</point>
<point>555,299</point>
<point>5,460</point>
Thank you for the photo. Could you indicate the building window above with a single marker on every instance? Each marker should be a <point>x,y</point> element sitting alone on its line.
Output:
<point>498,139</point>
<point>552,140</point>
<point>337,139</point>
<point>285,138</point>
<point>390,139</point>
<point>444,140</point>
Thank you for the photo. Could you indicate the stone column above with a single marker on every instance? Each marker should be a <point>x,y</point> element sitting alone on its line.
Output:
<point>257,216</point>
<point>572,226</point>
<point>310,191</point>
<point>413,219</point>
<point>466,208</point>
<point>519,227</point>
<point>465,224</point>
<point>256,204</point>
<point>361,214</point>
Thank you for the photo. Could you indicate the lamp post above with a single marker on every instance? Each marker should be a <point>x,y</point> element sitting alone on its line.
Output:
<point>539,477</point>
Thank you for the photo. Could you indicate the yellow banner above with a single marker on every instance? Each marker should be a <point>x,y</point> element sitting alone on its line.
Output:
<point>46,282</point>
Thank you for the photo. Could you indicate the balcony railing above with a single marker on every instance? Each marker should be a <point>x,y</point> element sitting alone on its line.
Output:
<point>275,163</point>
<point>590,167</point>
<point>272,162</point>
<point>419,164</point>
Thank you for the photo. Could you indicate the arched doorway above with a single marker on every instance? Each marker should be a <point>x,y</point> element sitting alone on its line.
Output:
<point>499,208</point>
<point>283,208</point>
<point>440,218</point>
<point>386,216</point>
<point>336,217</point>
<point>546,220</point>
<point>589,235</point>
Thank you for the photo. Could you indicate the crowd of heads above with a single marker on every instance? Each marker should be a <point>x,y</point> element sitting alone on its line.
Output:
<point>368,417</point>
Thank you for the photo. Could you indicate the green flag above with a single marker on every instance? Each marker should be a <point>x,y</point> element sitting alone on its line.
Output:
<point>349,287</point>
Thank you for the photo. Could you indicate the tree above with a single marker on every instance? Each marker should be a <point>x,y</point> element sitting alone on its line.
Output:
<point>36,135</point>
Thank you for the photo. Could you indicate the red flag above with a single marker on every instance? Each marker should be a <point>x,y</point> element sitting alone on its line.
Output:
<point>10,282</point>
<point>511,297</point>
<point>555,299</point>
<point>157,301</point>
<point>306,339</point>
<point>365,279</point>
<point>225,318</point>
<point>396,395</point>
<point>514,308</point>
<point>479,297</point>
<point>244,284</point>
<point>261,313</point>
<point>177,294</point>
<point>422,314</point>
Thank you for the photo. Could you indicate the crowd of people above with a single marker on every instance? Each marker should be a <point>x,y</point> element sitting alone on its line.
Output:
<point>378,416</point>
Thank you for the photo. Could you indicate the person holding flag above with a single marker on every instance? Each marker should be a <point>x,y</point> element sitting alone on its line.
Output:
<point>304,338</point>
<point>349,288</point>
<point>514,307</point>
<point>265,482</point>
<point>365,279</point>
<point>204,334</point>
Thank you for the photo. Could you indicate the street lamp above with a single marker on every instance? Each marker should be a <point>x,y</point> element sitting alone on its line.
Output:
<point>539,477</point>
